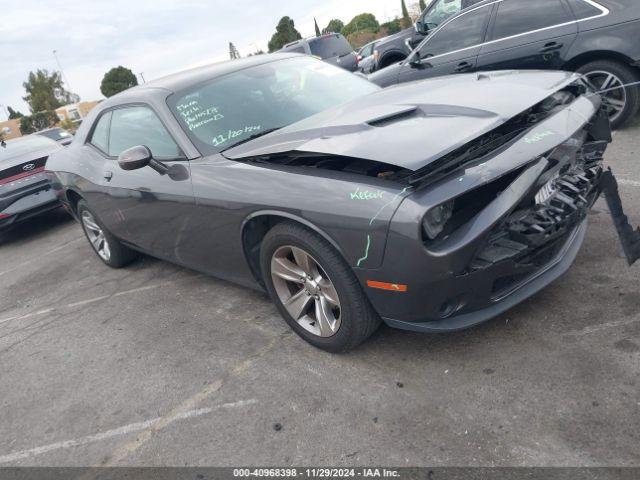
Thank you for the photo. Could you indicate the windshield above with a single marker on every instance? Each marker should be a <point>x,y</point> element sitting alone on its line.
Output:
<point>55,134</point>
<point>330,46</point>
<point>32,143</point>
<point>230,109</point>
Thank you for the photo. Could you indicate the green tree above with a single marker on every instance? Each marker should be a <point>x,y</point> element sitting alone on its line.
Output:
<point>360,39</point>
<point>117,80</point>
<point>317,27</point>
<point>285,33</point>
<point>334,26</point>
<point>13,114</point>
<point>38,121</point>
<point>406,19</point>
<point>45,91</point>
<point>364,21</point>
<point>423,5</point>
<point>394,26</point>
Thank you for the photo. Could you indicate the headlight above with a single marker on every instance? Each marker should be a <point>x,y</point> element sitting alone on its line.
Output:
<point>434,221</point>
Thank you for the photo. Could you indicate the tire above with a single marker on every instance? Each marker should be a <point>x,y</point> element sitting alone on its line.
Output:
<point>354,317</point>
<point>385,62</point>
<point>594,71</point>
<point>115,255</point>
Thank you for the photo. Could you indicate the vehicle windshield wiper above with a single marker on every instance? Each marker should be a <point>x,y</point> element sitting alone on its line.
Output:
<point>252,137</point>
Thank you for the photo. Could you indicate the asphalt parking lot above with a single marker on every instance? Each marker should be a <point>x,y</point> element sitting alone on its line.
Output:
<point>158,365</point>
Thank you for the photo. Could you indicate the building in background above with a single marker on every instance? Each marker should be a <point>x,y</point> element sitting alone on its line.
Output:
<point>75,111</point>
<point>10,129</point>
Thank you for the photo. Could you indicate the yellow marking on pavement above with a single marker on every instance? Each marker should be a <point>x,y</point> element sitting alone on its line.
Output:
<point>122,452</point>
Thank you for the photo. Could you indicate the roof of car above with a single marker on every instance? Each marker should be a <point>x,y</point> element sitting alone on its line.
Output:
<point>186,78</point>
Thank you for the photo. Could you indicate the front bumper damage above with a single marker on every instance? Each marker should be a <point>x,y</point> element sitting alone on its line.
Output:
<point>523,240</point>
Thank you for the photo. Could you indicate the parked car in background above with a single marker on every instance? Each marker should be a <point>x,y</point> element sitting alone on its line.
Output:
<point>600,39</point>
<point>25,190</point>
<point>366,61</point>
<point>433,206</point>
<point>58,134</point>
<point>333,48</point>
<point>395,48</point>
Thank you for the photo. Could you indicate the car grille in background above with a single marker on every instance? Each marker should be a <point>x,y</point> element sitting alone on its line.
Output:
<point>23,170</point>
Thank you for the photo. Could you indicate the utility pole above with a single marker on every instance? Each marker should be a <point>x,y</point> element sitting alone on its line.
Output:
<point>62,71</point>
<point>233,51</point>
<point>142,77</point>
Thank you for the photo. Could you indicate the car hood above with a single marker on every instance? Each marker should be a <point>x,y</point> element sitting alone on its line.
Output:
<point>411,125</point>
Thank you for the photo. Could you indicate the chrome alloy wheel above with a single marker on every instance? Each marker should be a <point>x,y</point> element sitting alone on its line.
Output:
<point>96,236</point>
<point>614,96</point>
<point>306,291</point>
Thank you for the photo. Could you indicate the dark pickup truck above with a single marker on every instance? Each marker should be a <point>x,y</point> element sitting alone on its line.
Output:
<point>597,38</point>
<point>395,48</point>
<point>332,48</point>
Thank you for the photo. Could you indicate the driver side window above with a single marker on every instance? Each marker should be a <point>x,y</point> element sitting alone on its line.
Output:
<point>462,32</point>
<point>132,126</point>
<point>442,10</point>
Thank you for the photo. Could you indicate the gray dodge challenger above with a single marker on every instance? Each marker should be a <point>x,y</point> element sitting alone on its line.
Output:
<point>432,206</point>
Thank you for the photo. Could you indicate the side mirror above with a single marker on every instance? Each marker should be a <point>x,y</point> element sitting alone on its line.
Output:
<point>139,157</point>
<point>420,62</point>
<point>135,158</point>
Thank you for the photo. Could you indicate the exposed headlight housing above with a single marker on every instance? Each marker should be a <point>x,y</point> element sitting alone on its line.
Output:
<point>435,220</point>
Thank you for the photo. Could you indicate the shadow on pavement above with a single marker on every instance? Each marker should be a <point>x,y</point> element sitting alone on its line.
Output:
<point>35,227</point>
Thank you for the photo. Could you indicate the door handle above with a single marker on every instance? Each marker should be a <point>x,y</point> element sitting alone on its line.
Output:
<point>551,47</point>
<point>108,175</point>
<point>463,67</point>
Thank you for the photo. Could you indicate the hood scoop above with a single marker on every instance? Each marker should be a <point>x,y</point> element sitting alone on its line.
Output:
<point>431,110</point>
<point>394,118</point>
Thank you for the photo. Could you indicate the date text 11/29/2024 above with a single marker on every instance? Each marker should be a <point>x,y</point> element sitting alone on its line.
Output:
<point>316,472</point>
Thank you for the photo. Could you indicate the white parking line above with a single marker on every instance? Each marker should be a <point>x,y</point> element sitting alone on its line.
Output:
<point>603,326</point>
<point>632,183</point>
<point>91,300</point>
<point>39,256</point>
<point>116,432</point>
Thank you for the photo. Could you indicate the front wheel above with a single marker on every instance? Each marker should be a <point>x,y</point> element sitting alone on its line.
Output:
<point>314,289</point>
<point>106,246</point>
<point>610,78</point>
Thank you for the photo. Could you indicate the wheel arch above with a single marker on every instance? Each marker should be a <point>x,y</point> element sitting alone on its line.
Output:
<point>594,55</point>
<point>390,57</point>
<point>257,225</point>
<point>73,198</point>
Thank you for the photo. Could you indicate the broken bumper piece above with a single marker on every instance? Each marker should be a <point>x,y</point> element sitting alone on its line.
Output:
<point>533,244</point>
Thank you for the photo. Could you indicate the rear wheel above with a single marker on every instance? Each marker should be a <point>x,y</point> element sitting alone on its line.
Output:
<point>609,77</point>
<point>315,290</point>
<point>106,246</point>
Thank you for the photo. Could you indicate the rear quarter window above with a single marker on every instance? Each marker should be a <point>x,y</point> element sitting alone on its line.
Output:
<point>582,9</point>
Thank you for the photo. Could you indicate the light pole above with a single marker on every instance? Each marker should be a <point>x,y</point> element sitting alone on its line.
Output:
<point>142,77</point>
<point>61,71</point>
<point>5,110</point>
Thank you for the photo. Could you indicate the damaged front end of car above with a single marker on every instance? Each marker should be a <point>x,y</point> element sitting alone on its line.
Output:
<point>506,214</point>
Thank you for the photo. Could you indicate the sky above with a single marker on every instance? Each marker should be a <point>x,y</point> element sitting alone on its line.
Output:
<point>151,37</point>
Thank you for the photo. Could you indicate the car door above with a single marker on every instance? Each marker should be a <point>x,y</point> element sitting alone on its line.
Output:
<point>453,48</point>
<point>143,207</point>
<point>522,37</point>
